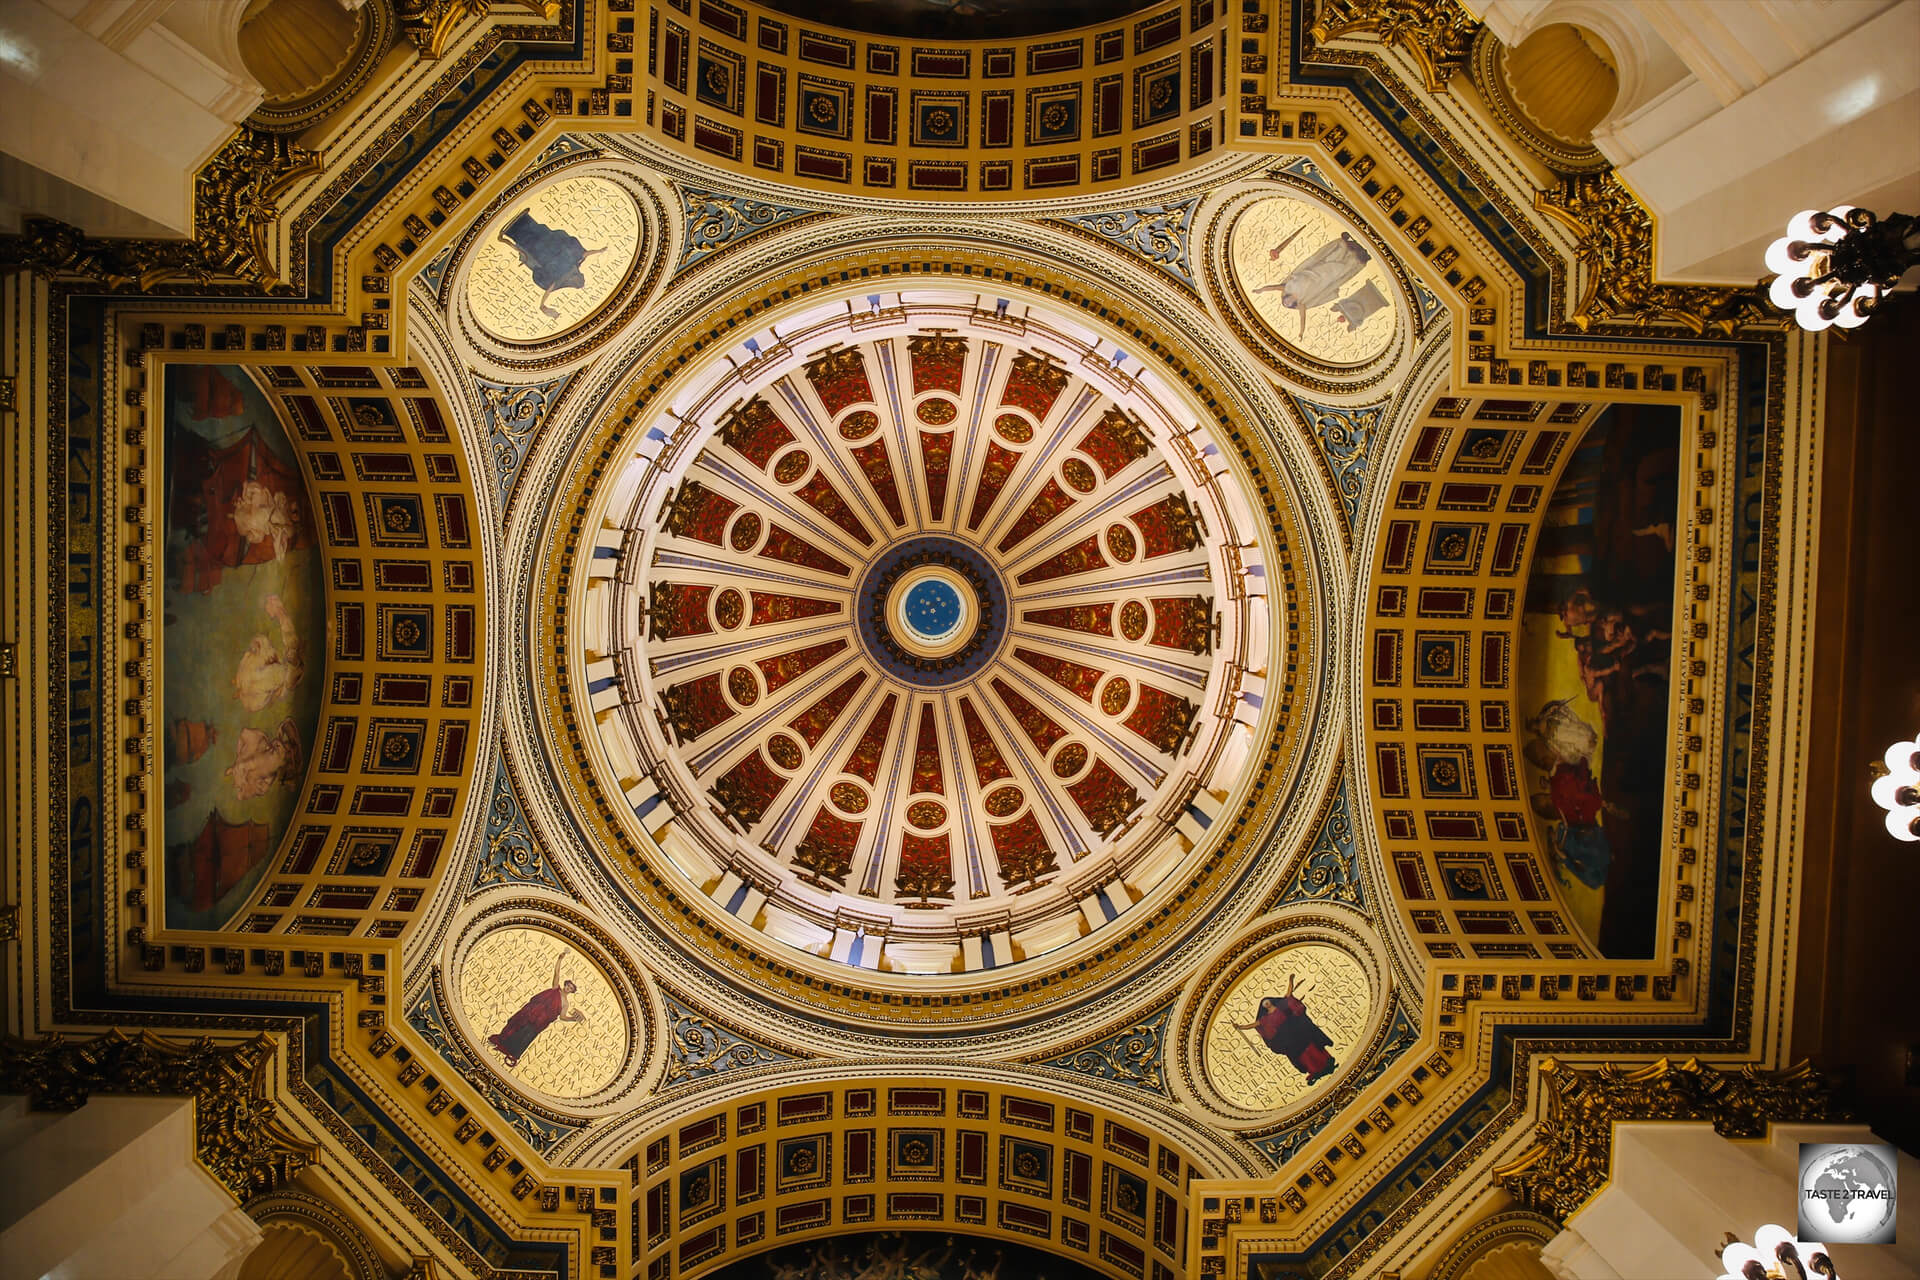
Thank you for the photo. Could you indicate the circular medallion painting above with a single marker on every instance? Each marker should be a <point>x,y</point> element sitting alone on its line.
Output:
<point>544,1014</point>
<point>1316,285</point>
<point>1286,1026</point>
<point>551,260</point>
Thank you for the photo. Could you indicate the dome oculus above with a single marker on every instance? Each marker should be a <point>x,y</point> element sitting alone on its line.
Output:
<point>931,611</point>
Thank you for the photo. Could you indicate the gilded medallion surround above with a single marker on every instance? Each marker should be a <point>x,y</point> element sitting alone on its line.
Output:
<point>1383,493</point>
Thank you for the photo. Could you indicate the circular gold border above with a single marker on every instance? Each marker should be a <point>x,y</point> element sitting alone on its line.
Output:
<point>580,932</point>
<point>479,245</point>
<point>1276,352</point>
<point>479,345</point>
<point>766,971</point>
<point>1306,923</point>
<point>1231,270</point>
<point>957,636</point>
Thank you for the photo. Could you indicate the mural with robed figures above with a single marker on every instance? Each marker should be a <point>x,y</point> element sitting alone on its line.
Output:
<point>241,633</point>
<point>1593,677</point>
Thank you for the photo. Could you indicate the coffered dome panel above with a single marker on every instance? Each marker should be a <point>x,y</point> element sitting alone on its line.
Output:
<point>927,640</point>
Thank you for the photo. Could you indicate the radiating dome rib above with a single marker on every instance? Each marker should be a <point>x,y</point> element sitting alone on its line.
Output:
<point>932,636</point>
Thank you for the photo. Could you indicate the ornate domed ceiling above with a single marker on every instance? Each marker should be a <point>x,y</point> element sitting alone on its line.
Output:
<point>769,633</point>
<point>960,19</point>
<point>928,627</point>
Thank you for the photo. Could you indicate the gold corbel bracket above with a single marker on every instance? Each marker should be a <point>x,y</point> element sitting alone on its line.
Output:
<point>1614,248</point>
<point>1573,1154</point>
<point>1438,33</point>
<point>237,1134</point>
<point>429,24</point>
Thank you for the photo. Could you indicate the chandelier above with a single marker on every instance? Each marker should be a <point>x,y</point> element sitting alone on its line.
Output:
<point>1897,789</point>
<point>1776,1255</point>
<point>1834,266</point>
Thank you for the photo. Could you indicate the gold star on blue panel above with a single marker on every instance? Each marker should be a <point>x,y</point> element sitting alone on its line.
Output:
<point>932,607</point>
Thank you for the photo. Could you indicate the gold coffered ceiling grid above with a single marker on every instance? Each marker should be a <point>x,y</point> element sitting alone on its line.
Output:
<point>1460,908</point>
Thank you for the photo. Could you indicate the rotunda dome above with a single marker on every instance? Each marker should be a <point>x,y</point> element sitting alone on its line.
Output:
<point>927,641</point>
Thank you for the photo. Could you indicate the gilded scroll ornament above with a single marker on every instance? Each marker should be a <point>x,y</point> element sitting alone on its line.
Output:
<point>238,1137</point>
<point>1614,252</point>
<point>236,200</point>
<point>1574,1152</point>
<point>1438,33</point>
<point>429,24</point>
<point>700,1048</point>
<point>1135,1055</point>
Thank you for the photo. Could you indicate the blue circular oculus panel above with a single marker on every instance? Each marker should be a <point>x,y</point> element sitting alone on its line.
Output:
<point>930,611</point>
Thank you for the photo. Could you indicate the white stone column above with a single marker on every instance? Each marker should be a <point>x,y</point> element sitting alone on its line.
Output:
<point>112,1190</point>
<point>1569,1257</point>
<point>1733,115</point>
<point>1677,1188</point>
<point>109,107</point>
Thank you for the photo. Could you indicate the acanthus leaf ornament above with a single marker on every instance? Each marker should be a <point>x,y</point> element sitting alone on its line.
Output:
<point>699,1047</point>
<point>1614,254</point>
<point>237,1133</point>
<point>236,201</point>
<point>1438,33</point>
<point>1160,235</point>
<point>429,24</point>
<point>1573,1153</point>
<point>1135,1055</point>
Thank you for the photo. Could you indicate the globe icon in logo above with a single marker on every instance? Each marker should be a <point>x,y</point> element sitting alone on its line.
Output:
<point>1847,1193</point>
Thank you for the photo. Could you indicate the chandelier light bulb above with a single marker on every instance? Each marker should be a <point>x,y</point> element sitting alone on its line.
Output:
<point>1811,319</point>
<point>1800,226</point>
<point>1781,291</point>
<point>1736,1256</point>
<point>1898,790</point>
<point>1856,313</point>
<point>1887,791</point>
<point>1789,256</point>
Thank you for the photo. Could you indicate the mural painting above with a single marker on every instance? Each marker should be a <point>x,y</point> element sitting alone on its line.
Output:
<point>240,642</point>
<point>1593,676</point>
<point>551,259</point>
<point>958,19</point>
<point>1313,283</point>
<point>547,1015</point>
<point>1286,1025</point>
<point>905,1255</point>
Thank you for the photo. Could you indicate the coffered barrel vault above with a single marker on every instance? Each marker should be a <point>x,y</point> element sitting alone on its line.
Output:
<point>690,634</point>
